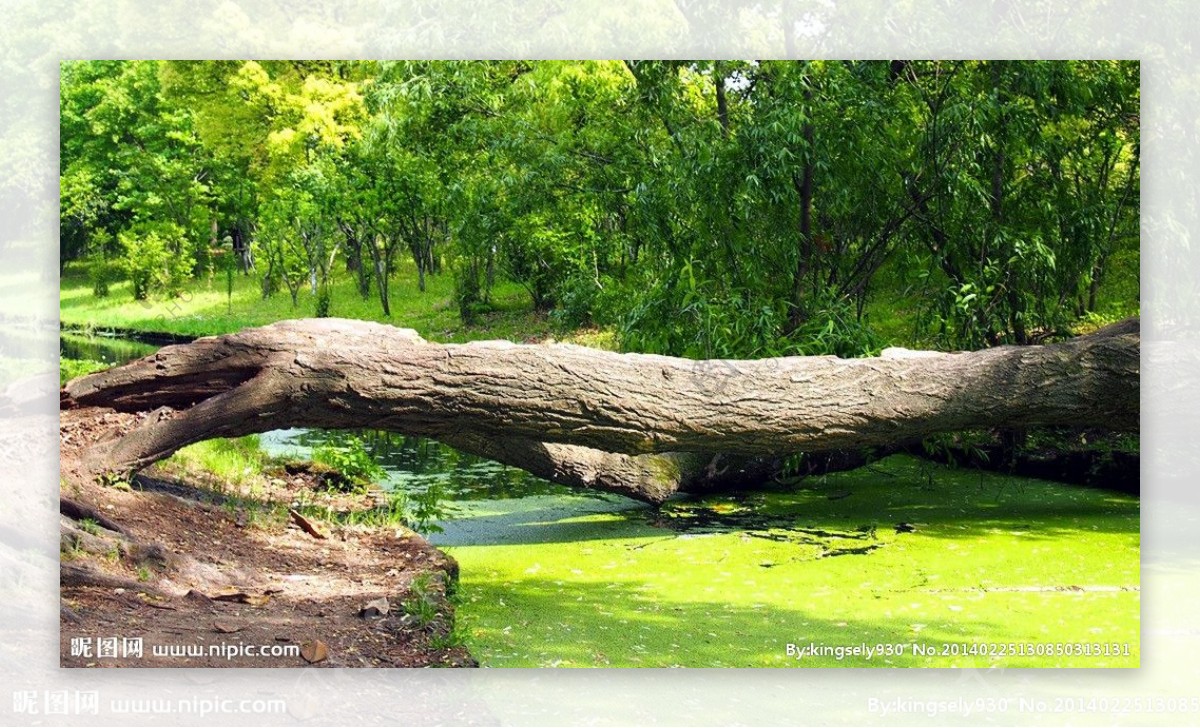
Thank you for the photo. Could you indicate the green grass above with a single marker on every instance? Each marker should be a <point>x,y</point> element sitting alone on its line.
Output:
<point>69,369</point>
<point>238,470</point>
<point>233,461</point>
<point>394,512</point>
<point>994,559</point>
<point>422,602</point>
<point>204,310</point>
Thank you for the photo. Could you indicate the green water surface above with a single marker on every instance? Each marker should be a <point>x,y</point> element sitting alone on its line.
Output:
<point>1006,567</point>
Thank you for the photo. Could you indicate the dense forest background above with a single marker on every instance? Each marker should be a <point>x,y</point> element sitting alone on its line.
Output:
<point>705,209</point>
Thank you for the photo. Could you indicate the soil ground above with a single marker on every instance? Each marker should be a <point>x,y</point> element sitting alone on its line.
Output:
<point>189,572</point>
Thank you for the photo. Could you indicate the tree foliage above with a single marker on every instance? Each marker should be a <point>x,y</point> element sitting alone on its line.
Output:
<point>702,208</point>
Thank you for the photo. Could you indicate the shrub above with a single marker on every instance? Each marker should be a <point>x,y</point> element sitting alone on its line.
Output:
<point>347,454</point>
<point>585,300</point>
<point>470,288</point>
<point>101,274</point>
<point>155,259</point>
<point>324,300</point>
<point>833,328</point>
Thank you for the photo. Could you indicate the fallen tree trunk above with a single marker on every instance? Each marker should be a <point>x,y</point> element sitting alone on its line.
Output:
<point>646,424</point>
<point>652,478</point>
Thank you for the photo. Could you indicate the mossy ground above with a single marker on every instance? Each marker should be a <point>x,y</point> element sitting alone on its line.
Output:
<point>992,560</point>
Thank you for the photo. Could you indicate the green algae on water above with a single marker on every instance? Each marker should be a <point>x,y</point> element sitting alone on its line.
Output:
<point>900,553</point>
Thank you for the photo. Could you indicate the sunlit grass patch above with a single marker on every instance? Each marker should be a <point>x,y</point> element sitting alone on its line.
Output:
<point>206,309</point>
<point>234,461</point>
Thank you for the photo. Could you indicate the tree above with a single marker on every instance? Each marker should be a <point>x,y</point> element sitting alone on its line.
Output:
<point>286,127</point>
<point>155,258</point>
<point>536,404</point>
<point>298,235</point>
<point>701,208</point>
<point>82,206</point>
<point>775,166</point>
<point>1026,173</point>
<point>426,154</point>
<point>132,144</point>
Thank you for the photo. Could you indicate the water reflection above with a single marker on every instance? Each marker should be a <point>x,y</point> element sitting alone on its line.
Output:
<point>107,349</point>
<point>421,466</point>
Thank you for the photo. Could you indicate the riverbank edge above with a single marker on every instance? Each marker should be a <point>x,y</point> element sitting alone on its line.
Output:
<point>127,564</point>
<point>154,338</point>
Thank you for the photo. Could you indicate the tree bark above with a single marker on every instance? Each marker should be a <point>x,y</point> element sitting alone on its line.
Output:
<point>722,103</point>
<point>652,478</point>
<point>624,422</point>
<point>804,188</point>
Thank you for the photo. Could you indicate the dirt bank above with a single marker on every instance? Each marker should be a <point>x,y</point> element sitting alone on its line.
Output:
<point>205,582</point>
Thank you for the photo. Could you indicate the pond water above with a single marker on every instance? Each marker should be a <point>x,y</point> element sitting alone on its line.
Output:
<point>106,349</point>
<point>900,552</point>
<point>482,501</point>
